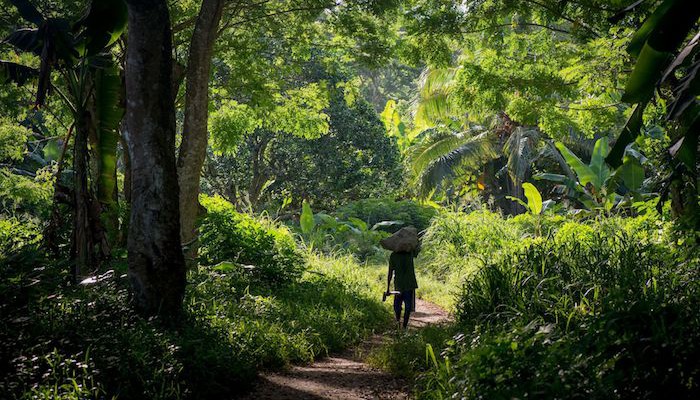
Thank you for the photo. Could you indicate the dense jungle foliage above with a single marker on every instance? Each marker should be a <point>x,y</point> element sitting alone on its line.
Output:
<point>193,193</point>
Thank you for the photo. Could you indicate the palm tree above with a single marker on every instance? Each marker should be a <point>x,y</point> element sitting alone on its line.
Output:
<point>503,153</point>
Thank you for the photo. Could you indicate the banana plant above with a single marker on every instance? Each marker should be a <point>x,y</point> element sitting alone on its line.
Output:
<point>534,204</point>
<point>597,186</point>
<point>666,48</point>
<point>80,52</point>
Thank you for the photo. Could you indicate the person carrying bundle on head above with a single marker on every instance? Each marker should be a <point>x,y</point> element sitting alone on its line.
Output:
<point>405,247</point>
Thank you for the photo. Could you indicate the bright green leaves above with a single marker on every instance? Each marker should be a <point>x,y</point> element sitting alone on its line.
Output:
<point>534,198</point>
<point>395,127</point>
<point>229,124</point>
<point>12,140</point>
<point>631,173</point>
<point>437,102</point>
<point>597,172</point>
<point>598,166</point>
<point>306,220</point>
<point>299,112</point>
<point>51,151</point>
<point>597,186</point>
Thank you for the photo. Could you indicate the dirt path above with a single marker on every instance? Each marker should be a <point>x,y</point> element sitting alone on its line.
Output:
<point>344,376</point>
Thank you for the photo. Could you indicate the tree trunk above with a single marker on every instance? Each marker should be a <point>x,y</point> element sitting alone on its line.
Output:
<point>82,237</point>
<point>193,149</point>
<point>259,178</point>
<point>124,228</point>
<point>156,263</point>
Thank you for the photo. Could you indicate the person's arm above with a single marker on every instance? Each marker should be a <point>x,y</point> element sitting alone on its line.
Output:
<point>388,277</point>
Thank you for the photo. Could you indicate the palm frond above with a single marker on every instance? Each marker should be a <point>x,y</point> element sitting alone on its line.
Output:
<point>471,153</point>
<point>434,145</point>
<point>435,102</point>
<point>521,149</point>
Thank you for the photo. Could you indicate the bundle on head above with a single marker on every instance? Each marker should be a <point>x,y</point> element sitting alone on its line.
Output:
<point>404,240</point>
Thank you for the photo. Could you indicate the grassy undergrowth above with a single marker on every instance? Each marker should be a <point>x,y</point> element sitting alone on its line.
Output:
<point>84,341</point>
<point>602,309</point>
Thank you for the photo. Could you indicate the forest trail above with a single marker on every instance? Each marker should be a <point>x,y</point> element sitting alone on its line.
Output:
<point>344,376</point>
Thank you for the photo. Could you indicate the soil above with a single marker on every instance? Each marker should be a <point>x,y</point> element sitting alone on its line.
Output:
<point>344,376</point>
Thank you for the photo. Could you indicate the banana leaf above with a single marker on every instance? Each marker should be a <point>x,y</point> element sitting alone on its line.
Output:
<point>109,114</point>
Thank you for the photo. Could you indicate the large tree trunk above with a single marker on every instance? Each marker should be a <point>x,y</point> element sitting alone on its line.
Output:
<point>193,149</point>
<point>156,263</point>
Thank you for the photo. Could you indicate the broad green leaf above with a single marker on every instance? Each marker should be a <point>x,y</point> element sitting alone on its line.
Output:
<point>225,266</point>
<point>325,221</point>
<point>306,220</point>
<point>534,198</point>
<point>598,166</point>
<point>387,116</point>
<point>551,177</point>
<point>583,172</point>
<point>647,71</point>
<point>640,37</point>
<point>109,115</point>
<point>631,173</point>
<point>362,225</point>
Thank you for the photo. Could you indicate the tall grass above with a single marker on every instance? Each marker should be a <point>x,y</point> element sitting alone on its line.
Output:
<point>604,308</point>
<point>598,309</point>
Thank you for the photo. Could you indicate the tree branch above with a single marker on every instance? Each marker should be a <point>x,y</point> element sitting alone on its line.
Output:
<point>551,28</point>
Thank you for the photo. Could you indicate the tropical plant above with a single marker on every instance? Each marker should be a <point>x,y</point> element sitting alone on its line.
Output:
<point>353,234</point>
<point>443,154</point>
<point>597,186</point>
<point>534,203</point>
<point>668,55</point>
<point>80,52</point>
<point>501,155</point>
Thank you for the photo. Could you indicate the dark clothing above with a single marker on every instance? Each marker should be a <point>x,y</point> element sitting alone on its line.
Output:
<point>405,297</point>
<point>401,265</point>
<point>404,273</point>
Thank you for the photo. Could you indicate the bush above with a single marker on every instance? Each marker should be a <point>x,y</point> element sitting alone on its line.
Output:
<point>266,250</point>
<point>67,341</point>
<point>372,211</point>
<point>15,235</point>
<point>603,309</point>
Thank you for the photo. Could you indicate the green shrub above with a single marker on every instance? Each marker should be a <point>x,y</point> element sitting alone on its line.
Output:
<point>602,309</point>
<point>16,234</point>
<point>372,211</point>
<point>404,354</point>
<point>268,251</point>
<point>22,195</point>
<point>60,341</point>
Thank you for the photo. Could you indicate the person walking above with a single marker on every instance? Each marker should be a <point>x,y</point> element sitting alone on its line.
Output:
<point>401,268</point>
